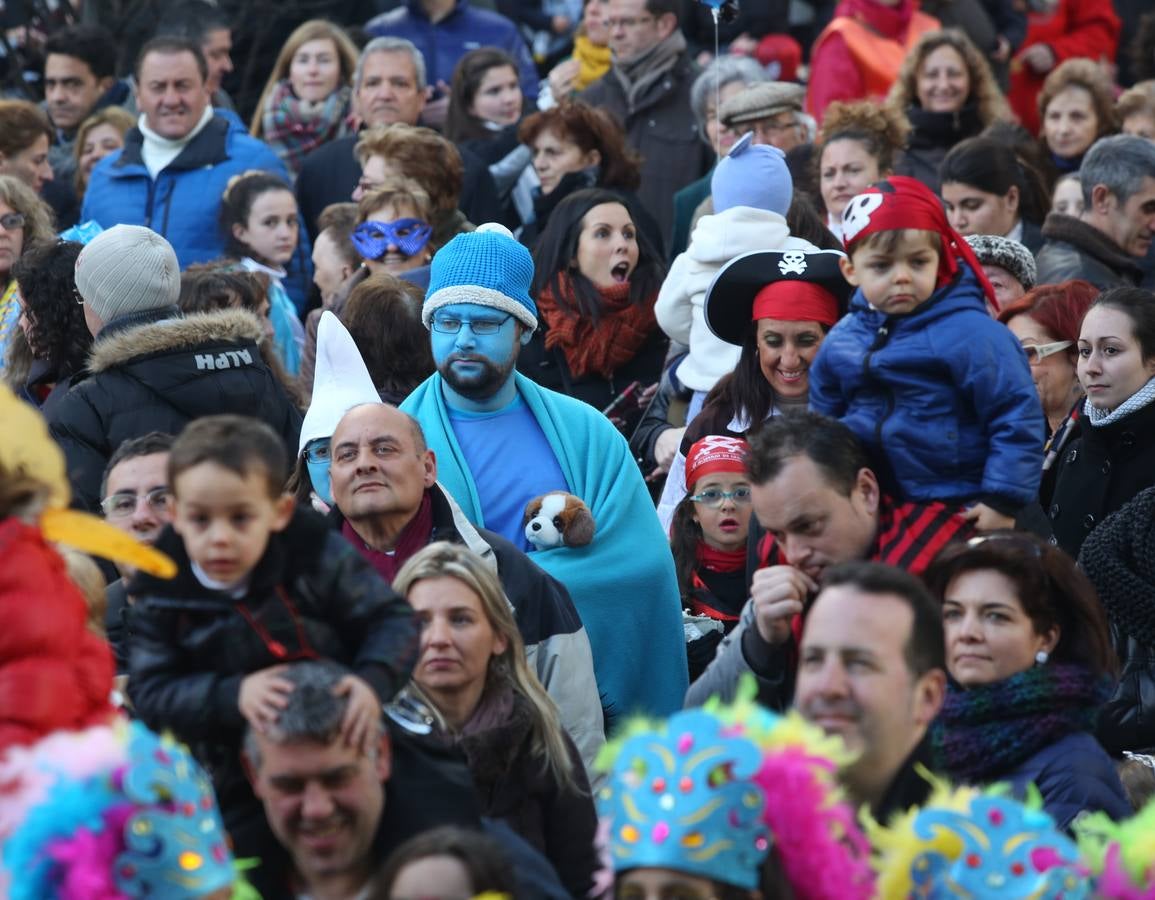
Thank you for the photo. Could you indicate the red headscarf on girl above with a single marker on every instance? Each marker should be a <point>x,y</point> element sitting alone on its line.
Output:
<point>901,202</point>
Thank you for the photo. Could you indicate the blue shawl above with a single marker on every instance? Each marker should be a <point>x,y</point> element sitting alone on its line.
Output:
<point>623,584</point>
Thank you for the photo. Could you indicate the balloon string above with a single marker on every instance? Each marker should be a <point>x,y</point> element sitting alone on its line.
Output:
<point>717,84</point>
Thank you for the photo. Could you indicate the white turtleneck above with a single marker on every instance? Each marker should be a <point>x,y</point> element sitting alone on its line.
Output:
<point>157,152</point>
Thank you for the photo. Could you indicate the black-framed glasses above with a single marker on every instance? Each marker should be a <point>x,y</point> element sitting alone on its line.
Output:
<point>714,498</point>
<point>123,504</point>
<point>317,451</point>
<point>12,221</point>
<point>452,324</point>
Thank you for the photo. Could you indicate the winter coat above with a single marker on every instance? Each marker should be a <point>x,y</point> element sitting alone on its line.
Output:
<point>858,55</point>
<point>55,674</point>
<point>931,137</point>
<point>311,596</point>
<point>444,42</point>
<point>1100,472</point>
<point>158,376</point>
<point>662,128</point>
<point>1119,558</point>
<point>183,202</point>
<point>942,398</point>
<point>1073,774</point>
<point>716,240</point>
<point>514,787</point>
<point>1074,249</point>
<point>1075,28</point>
<point>557,647</point>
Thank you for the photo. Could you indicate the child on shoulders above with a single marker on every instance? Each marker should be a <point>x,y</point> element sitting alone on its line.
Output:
<point>939,392</point>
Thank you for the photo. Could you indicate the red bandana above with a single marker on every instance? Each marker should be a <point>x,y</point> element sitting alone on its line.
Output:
<point>900,202</point>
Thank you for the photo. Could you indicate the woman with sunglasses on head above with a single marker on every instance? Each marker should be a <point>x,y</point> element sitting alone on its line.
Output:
<point>1030,664</point>
<point>708,540</point>
<point>1046,322</point>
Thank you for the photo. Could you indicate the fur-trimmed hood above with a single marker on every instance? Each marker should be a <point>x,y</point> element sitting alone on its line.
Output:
<point>232,326</point>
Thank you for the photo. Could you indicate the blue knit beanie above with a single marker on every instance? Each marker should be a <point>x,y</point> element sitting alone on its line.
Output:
<point>752,175</point>
<point>487,266</point>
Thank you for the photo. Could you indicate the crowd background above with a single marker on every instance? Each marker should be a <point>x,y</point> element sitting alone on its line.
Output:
<point>486,387</point>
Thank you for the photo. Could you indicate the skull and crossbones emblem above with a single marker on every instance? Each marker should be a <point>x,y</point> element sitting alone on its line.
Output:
<point>857,215</point>
<point>793,262</point>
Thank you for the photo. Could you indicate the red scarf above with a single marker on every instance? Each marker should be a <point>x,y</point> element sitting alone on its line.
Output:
<point>603,348</point>
<point>413,537</point>
<point>720,560</point>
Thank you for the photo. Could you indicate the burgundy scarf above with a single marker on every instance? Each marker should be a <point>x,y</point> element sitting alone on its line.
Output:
<point>413,537</point>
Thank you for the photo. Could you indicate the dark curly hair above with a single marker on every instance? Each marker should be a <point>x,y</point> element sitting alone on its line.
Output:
<point>58,335</point>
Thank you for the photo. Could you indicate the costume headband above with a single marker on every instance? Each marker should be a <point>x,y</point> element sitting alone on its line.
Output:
<point>900,202</point>
<point>795,301</point>
<point>373,238</point>
<point>715,453</point>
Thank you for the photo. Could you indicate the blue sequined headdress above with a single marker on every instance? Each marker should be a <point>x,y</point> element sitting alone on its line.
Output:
<point>683,797</point>
<point>967,843</point>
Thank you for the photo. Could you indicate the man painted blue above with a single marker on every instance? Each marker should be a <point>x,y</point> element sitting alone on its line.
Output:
<point>501,440</point>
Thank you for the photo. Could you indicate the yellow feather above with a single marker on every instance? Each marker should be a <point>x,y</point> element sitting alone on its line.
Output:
<point>26,446</point>
<point>89,534</point>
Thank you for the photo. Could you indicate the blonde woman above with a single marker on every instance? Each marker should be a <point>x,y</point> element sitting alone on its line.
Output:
<point>947,92</point>
<point>472,674</point>
<point>306,99</point>
<point>99,135</point>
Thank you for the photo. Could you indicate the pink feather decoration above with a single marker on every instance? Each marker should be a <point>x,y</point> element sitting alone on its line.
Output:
<point>824,853</point>
<point>1115,883</point>
<point>88,859</point>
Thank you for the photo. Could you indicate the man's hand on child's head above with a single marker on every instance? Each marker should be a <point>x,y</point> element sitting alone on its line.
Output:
<point>363,715</point>
<point>987,519</point>
<point>263,696</point>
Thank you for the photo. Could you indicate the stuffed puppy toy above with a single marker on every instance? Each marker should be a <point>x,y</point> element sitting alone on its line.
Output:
<point>558,519</point>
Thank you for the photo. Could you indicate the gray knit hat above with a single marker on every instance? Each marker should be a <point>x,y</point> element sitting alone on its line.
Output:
<point>1008,254</point>
<point>761,101</point>
<point>127,269</point>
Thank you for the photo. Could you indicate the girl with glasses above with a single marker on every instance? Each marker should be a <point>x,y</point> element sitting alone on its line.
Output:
<point>708,540</point>
<point>24,220</point>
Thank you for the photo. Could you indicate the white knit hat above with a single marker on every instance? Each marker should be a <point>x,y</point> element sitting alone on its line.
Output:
<point>340,381</point>
<point>127,269</point>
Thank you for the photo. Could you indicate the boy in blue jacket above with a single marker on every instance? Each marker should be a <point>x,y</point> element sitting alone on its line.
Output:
<point>939,391</point>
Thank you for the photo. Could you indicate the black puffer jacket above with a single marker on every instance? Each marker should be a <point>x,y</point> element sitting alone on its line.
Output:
<point>1119,558</point>
<point>1101,471</point>
<point>311,595</point>
<point>157,373</point>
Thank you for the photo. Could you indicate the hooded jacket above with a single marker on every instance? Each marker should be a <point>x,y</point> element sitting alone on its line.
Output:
<point>149,373</point>
<point>716,240</point>
<point>942,398</point>
<point>183,202</point>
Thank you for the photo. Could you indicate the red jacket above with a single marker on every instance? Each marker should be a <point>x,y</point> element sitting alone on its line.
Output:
<point>54,673</point>
<point>859,53</point>
<point>1076,28</point>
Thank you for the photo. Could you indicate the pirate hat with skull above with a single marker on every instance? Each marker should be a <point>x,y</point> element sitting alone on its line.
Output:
<point>790,285</point>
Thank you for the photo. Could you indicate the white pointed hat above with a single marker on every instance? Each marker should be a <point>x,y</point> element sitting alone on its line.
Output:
<point>340,380</point>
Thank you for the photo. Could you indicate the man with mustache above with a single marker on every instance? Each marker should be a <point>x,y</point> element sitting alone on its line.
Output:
<point>817,503</point>
<point>178,160</point>
<point>500,440</point>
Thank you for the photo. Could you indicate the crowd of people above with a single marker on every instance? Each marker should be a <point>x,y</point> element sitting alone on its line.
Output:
<point>581,448</point>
